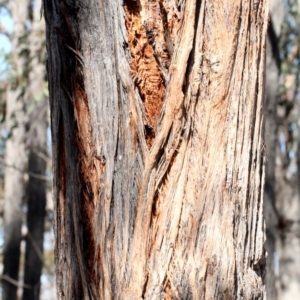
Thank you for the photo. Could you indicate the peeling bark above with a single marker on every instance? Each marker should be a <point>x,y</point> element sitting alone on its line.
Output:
<point>156,111</point>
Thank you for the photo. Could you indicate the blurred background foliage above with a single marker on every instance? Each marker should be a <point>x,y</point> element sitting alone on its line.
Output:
<point>26,210</point>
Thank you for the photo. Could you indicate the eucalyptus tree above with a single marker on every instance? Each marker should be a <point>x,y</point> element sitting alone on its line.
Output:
<point>157,129</point>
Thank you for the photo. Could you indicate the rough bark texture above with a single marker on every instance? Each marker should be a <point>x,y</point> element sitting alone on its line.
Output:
<point>156,111</point>
<point>15,158</point>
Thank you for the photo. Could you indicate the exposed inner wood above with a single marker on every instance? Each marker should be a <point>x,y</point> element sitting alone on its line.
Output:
<point>151,28</point>
<point>91,170</point>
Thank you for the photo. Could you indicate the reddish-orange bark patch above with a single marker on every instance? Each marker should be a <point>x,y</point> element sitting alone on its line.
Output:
<point>91,169</point>
<point>152,28</point>
<point>145,64</point>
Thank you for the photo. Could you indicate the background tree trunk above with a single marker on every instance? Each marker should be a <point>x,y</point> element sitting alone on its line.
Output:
<point>156,115</point>
<point>271,140</point>
<point>36,193</point>
<point>15,157</point>
<point>37,135</point>
<point>288,158</point>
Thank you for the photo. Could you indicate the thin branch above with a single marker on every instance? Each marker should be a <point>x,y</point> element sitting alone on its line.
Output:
<point>3,163</point>
<point>35,246</point>
<point>38,176</point>
<point>15,282</point>
<point>43,156</point>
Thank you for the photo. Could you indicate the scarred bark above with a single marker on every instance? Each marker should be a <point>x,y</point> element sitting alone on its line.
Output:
<point>156,110</point>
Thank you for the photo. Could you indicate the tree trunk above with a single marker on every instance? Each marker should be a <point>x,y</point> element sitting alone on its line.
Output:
<point>156,115</point>
<point>288,159</point>
<point>271,140</point>
<point>35,222</point>
<point>15,162</point>
<point>15,158</point>
<point>37,135</point>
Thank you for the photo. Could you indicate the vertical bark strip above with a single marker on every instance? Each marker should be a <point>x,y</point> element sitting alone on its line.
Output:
<point>156,110</point>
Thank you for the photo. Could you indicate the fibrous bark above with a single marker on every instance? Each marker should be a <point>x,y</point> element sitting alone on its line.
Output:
<point>156,111</point>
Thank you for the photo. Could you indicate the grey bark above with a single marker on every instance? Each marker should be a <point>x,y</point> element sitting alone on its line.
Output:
<point>157,197</point>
